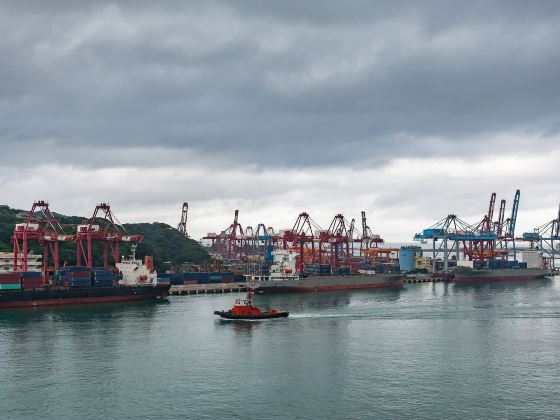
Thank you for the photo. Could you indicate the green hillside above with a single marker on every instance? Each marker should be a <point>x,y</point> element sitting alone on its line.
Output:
<point>161,241</point>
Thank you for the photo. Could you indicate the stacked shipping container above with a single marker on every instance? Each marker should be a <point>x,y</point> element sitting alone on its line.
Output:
<point>102,278</point>
<point>73,277</point>
<point>31,280</point>
<point>199,278</point>
<point>500,264</point>
<point>10,281</point>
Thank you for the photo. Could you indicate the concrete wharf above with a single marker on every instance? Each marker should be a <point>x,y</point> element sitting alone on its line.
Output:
<point>197,289</point>
<point>426,279</point>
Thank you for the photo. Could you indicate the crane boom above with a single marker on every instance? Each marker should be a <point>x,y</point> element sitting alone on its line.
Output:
<point>182,227</point>
<point>491,207</point>
<point>513,219</point>
<point>501,217</point>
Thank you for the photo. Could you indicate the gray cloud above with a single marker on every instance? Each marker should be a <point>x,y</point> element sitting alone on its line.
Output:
<point>304,84</point>
<point>239,93</point>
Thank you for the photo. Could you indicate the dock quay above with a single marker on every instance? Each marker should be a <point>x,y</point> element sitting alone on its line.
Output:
<point>426,279</point>
<point>197,289</point>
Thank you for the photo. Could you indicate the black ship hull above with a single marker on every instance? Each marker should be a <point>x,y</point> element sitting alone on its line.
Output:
<point>75,296</point>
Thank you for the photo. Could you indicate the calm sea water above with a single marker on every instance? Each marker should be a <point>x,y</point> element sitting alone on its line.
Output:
<point>426,351</point>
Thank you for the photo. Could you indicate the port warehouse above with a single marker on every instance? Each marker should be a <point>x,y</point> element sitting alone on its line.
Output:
<point>342,248</point>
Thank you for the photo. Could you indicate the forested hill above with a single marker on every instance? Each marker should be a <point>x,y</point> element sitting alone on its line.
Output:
<point>161,241</point>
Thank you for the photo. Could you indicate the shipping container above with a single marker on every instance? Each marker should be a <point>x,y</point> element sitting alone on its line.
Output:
<point>10,281</point>
<point>102,283</point>
<point>10,286</point>
<point>76,268</point>
<point>31,274</point>
<point>78,284</point>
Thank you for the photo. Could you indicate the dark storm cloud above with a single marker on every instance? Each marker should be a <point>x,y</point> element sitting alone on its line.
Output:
<point>277,83</point>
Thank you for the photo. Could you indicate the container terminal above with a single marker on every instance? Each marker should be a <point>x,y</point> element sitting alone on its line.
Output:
<point>306,257</point>
<point>451,249</point>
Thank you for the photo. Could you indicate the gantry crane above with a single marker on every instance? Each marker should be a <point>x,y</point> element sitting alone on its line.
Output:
<point>41,226</point>
<point>478,241</point>
<point>337,241</point>
<point>302,239</point>
<point>103,227</point>
<point>182,226</point>
<point>546,238</point>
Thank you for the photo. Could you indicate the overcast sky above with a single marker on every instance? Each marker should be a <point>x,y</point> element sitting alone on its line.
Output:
<point>407,110</point>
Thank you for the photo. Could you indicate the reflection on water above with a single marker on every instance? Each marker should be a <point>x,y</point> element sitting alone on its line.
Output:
<point>424,351</point>
<point>302,302</point>
<point>240,326</point>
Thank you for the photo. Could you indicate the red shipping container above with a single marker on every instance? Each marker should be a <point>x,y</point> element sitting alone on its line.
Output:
<point>30,284</point>
<point>80,274</point>
<point>32,281</point>
<point>9,276</point>
<point>10,281</point>
<point>187,282</point>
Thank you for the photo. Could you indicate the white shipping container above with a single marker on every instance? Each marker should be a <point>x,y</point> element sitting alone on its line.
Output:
<point>465,263</point>
<point>533,258</point>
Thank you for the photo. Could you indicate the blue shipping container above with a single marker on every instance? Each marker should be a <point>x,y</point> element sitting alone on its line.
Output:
<point>31,274</point>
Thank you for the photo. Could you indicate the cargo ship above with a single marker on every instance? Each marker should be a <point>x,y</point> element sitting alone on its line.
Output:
<point>52,296</point>
<point>80,285</point>
<point>465,275</point>
<point>283,279</point>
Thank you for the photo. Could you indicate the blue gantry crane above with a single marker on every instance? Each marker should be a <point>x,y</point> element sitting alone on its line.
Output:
<point>547,239</point>
<point>478,242</point>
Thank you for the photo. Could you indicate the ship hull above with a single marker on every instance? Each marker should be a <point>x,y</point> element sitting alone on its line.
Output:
<point>495,276</point>
<point>78,296</point>
<point>230,315</point>
<point>327,283</point>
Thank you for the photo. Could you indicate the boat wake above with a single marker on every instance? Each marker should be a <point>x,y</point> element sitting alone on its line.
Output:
<point>326,316</point>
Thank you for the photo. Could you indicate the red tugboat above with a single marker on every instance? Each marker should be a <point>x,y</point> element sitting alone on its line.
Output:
<point>243,309</point>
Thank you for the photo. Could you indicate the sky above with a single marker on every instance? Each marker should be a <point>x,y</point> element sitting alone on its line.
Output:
<point>407,110</point>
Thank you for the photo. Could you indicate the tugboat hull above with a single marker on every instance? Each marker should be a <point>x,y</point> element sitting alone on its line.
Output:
<point>231,315</point>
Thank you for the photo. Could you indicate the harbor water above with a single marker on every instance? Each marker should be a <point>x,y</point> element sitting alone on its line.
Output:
<point>425,351</point>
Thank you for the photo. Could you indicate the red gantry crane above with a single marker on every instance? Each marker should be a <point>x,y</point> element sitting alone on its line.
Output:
<point>302,239</point>
<point>41,226</point>
<point>104,228</point>
<point>337,240</point>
